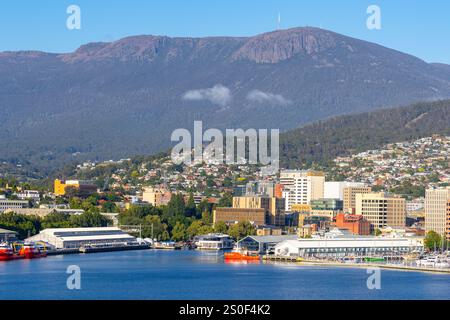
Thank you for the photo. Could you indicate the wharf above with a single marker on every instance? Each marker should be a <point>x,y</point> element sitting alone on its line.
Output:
<point>307,262</point>
<point>97,249</point>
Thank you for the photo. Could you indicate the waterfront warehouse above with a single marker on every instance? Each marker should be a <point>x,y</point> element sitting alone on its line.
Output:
<point>262,244</point>
<point>345,246</point>
<point>74,238</point>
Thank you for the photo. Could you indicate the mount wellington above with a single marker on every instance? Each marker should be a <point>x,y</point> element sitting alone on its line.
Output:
<point>122,98</point>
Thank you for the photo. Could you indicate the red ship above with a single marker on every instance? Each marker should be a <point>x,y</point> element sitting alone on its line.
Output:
<point>30,251</point>
<point>7,253</point>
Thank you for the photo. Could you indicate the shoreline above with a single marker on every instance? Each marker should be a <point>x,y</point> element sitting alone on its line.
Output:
<point>265,259</point>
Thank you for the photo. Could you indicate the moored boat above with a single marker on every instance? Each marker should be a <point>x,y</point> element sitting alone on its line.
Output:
<point>7,253</point>
<point>30,251</point>
<point>240,255</point>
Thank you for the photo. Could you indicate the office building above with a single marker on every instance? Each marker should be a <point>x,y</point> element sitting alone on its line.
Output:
<point>274,207</point>
<point>335,189</point>
<point>231,216</point>
<point>447,227</point>
<point>302,186</point>
<point>350,197</point>
<point>381,210</point>
<point>436,210</point>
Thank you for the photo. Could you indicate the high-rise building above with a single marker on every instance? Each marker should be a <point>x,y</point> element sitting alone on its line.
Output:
<point>350,197</point>
<point>335,189</point>
<point>436,210</point>
<point>447,227</point>
<point>381,210</point>
<point>302,186</point>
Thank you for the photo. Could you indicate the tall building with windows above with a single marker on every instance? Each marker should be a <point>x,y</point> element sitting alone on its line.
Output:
<point>274,207</point>
<point>335,189</point>
<point>436,210</point>
<point>381,210</point>
<point>300,187</point>
<point>447,227</point>
<point>350,193</point>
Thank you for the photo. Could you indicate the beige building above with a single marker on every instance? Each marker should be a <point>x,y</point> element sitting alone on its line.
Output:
<point>436,210</point>
<point>156,196</point>
<point>274,207</point>
<point>447,227</point>
<point>381,210</point>
<point>300,187</point>
<point>256,216</point>
<point>350,197</point>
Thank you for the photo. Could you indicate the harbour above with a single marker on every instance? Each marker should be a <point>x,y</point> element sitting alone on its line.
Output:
<point>190,274</point>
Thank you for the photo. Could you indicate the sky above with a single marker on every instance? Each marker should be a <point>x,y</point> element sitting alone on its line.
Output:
<point>417,27</point>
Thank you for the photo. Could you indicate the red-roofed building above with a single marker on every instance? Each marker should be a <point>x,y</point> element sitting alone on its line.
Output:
<point>356,224</point>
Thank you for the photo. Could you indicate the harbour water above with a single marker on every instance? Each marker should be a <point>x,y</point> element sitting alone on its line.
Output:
<point>152,274</point>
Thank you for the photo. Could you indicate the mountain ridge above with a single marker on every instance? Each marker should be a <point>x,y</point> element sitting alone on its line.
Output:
<point>116,99</point>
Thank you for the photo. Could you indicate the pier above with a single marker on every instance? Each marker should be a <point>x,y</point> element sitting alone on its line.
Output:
<point>314,262</point>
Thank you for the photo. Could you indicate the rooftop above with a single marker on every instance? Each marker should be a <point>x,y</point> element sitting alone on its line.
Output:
<point>3,231</point>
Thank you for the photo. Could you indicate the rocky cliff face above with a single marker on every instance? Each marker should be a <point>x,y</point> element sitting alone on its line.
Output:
<point>277,46</point>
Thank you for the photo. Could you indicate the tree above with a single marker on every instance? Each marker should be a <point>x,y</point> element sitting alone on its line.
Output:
<point>241,230</point>
<point>226,200</point>
<point>197,227</point>
<point>377,232</point>
<point>176,206</point>
<point>153,226</point>
<point>109,206</point>
<point>207,217</point>
<point>24,225</point>
<point>179,232</point>
<point>221,227</point>
<point>433,240</point>
<point>204,206</point>
<point>56,220</point>
<point>191,208</point>
<point>89,219</point>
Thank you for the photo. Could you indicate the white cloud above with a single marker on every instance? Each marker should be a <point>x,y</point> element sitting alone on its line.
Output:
<point>218,94</point>
<point>265,97</point>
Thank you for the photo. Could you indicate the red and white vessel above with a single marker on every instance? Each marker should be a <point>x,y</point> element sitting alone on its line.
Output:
<point>7,253</point>
<point>30,251</point>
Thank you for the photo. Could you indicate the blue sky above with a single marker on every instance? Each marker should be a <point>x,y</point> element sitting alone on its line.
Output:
<point>417,27</point>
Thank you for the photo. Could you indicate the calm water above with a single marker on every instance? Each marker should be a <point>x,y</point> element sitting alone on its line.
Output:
<point>196,275</point>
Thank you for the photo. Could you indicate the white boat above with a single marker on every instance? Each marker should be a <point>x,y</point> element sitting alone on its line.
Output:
<point>214,241</point>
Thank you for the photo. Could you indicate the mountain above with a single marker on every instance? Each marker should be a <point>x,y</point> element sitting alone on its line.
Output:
<point>113,100</point>
<point>323,141</point>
